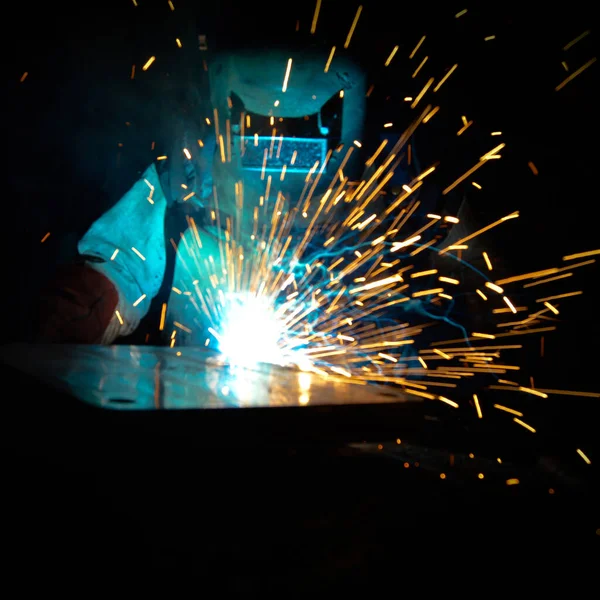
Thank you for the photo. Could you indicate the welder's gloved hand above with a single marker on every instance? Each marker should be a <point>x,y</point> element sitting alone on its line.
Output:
<point>186,174</point>
<point>76,306</point>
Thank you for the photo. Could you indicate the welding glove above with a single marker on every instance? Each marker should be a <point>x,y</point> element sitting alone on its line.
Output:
<point>123,253</point>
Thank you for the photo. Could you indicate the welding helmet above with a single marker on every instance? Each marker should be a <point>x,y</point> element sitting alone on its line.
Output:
<point>284,125</point>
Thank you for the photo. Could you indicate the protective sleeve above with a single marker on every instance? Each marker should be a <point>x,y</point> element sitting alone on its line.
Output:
<point>126,245</point>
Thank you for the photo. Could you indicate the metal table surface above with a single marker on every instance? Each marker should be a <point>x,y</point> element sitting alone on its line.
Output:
<point>159,403</point>
<point>149,377</point>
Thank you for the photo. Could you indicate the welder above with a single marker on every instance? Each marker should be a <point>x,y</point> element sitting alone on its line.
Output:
<point>256,96</point>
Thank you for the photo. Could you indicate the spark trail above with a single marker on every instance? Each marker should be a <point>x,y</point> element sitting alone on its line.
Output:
<point>357,283</point>
<point>354,294</point>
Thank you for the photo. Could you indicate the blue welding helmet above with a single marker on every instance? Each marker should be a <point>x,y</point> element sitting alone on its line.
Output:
<point>270,140</point>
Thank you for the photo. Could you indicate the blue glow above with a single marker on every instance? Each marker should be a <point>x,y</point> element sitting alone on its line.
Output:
<point>252,332</point>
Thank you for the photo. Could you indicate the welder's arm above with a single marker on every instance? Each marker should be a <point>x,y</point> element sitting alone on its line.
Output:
<point>122,269</point>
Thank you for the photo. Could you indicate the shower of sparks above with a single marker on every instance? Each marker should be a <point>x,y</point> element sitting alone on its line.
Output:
<point>317,297</point>
<point>339,281</point>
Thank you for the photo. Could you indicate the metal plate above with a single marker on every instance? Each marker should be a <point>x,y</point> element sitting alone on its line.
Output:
<point>147,377</point>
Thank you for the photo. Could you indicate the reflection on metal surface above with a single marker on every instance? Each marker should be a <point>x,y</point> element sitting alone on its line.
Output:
<point>304,382</point>
<point>147,378</point>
